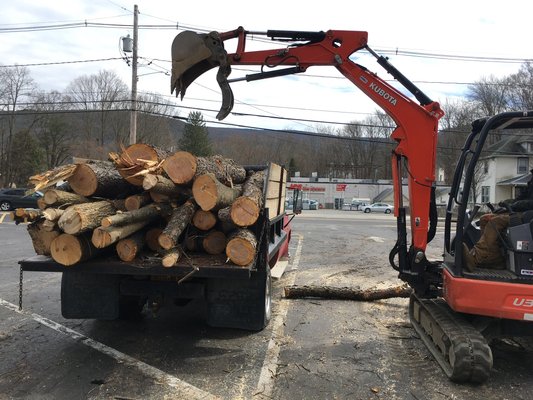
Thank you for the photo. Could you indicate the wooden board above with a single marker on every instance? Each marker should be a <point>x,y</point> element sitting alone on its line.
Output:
<point>275,191</point>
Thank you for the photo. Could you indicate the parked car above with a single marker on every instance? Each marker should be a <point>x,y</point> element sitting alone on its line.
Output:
<point>308,204</point>
<point>379,207</point>
<point>17,198</point>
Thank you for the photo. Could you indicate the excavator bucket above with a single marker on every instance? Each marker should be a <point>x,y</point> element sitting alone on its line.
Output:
<point>192,55</point>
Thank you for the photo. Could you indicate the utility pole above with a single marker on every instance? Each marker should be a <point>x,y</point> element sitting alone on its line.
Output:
<point>133,116</point>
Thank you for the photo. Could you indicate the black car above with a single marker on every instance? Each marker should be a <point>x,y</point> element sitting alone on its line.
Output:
<point>16,198</point>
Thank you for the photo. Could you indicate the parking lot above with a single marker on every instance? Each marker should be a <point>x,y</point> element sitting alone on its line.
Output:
<point>312,348</point>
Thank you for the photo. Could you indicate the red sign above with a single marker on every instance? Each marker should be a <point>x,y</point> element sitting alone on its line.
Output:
<point>341,187</point>
<point>296,186</point>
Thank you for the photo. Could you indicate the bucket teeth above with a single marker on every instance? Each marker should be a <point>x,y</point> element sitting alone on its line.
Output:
<point>192,55</point>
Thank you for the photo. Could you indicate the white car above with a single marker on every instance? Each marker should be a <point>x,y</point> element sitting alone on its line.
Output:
<point>379,207</point>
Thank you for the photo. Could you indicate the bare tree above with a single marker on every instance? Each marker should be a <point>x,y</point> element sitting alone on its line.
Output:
<point>99,96</point>
<point>16,86</point>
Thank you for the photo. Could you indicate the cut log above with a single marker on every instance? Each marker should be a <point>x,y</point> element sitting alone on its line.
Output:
<point>69,249</point>
<point>50,226</point>
<point>212,242</point>
<point>182,167</point>
<point>241,247</point>
<point>101,179</point>
<point>210,194</point>
<point>53,214</point>
<point>56,198</point>
<point>129,248</point>
<point>161,185</point>
<point>41,238</point>
<point>152,238</point>
<point>103,237</point>
<point>344,293</point>
<point>181,217</point>
<point>204,220</point>
<point>225,222</point>
<point>23,215</point>
<point>147,213</point>
<point>245,209</point>
<point>50,178</point>
<point>84,217</point>
<point>136,201</point>
<point>137,160</point>
<point>171,257</point>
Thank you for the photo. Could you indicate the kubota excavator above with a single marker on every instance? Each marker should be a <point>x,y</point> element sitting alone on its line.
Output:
<point>455,310</point>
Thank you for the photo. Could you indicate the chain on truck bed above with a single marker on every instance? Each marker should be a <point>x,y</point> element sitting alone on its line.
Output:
<point>461,351</point>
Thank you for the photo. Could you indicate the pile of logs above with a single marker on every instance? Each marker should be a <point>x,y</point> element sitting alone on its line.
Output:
<point>145,199</point>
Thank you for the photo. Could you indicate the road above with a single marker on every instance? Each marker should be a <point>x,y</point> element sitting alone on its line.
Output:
<point>312,349</point>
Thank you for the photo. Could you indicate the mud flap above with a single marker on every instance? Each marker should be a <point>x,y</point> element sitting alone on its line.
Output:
<point>242,304</point>
<point>86,295</point>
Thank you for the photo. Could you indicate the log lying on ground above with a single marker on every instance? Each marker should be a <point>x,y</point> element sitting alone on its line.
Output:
<point>204,220</point>
<point>136,201</point>
<point>181,217</point>
<point>245,209</point>
<point>129,248</point>
<point>344,293</point>
<point>137,160</point>
<point>56,198</point>
<point>101,179</point>
<point>41,238</point>
<point>182,167</point>
<point>171,256</point>
<point>147,213</point>
<point>69,249</point>
<point>241,247</point>
<point>84,217</point>
<point>210,194</point>
<point>104,237</point>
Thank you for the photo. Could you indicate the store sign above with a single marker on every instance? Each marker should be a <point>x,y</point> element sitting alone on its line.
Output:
<point>341,187</point>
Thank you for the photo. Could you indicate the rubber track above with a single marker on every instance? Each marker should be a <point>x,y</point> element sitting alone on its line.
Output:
<point>472,355</point>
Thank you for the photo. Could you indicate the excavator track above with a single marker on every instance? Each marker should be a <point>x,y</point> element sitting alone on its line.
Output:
<point>460,349</point>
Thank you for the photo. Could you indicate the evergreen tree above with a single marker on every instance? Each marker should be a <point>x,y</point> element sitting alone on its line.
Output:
<point>195,137</point>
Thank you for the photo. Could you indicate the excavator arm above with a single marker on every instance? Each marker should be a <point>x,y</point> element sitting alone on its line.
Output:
<point>416,119</point>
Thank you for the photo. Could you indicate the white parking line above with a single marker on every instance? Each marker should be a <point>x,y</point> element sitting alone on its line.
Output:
<point>265,385</point>
<point>184,390</point>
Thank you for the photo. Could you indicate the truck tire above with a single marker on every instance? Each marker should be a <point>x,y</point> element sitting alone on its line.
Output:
<point>241,304</point>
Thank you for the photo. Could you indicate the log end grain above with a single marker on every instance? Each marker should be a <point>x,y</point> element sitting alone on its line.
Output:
<point>244,211</point>
<point>180,167</point>
<point>84,181</point>
<point>240,251</point>
<point>165,241</point>
<point>205,191</point>
<point>204,220</point>
<point>214,242</point>
<point>67,249</point>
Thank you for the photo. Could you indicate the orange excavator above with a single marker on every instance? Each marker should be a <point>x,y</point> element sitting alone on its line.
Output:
<point>457,311</point>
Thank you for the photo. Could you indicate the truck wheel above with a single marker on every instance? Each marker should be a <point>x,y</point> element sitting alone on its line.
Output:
<point>242,304</point>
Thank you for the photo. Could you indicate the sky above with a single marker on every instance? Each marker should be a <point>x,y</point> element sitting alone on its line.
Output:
<point>492,31</point>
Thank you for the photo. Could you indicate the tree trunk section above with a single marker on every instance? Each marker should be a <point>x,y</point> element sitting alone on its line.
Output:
<point>41,238</point>
<point>344,293</point>
<point>214,242</point>
<point>69,249</point>
<point>147,213</point>
<point>84,217</point>
<point>137,160</point>
<point>53,214</point>
<point>210,194</point>
<point>181,217</point>
<point>103,237</point>
<point>163,186</point>
<point>100,179</point>
<point>245,209</point>
<point>152,238</point>
<point>56,198</point>
<point>171,257</point>
<point>241,247</point>
<point>129,248</point>
<point>136,201</point>
<point>50,178</point>
<point>204,220</point>
<point>180,167</point>
<point>225,222</point>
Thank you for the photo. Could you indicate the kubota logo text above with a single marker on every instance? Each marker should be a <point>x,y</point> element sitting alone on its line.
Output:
<point>383,93</point>
<point>522,302</point>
